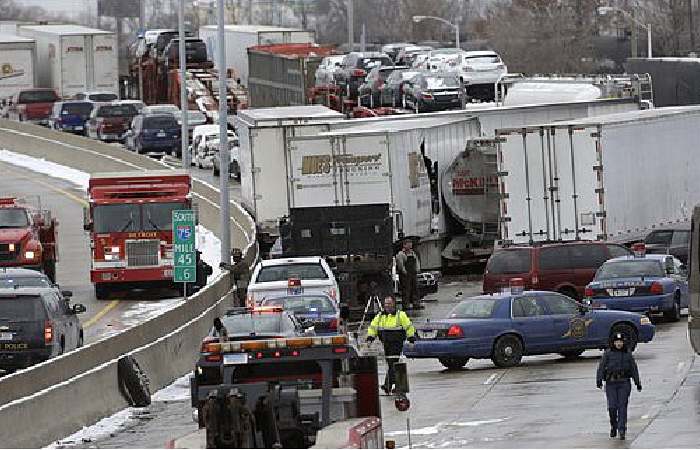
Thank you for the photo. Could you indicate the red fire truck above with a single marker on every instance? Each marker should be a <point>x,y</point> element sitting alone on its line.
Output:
<point>130,225</point>
<point>27,237</point>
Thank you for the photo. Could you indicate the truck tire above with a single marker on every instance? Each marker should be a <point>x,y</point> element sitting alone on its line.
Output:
<point>217,172</point>
<point>102,291</point>
<point>674,315</point>
<point>133,382</point>
<point>453,363</point>
<point>49,269</point>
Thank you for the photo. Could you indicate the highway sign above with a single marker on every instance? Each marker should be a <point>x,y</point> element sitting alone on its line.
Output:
<point>184,252</point>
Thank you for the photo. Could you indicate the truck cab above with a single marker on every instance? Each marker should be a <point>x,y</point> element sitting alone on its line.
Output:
<point>33,105</point>
<point>27,237</point>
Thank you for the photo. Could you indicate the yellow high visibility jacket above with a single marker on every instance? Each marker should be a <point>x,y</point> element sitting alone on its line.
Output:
<point>383,321</point>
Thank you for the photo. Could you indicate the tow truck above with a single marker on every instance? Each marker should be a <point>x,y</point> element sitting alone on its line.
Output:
<point>27,237</point>
<point>293,392</point>
<point>130,223</point>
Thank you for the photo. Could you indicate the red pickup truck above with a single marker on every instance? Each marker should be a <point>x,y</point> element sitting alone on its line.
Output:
<point>33,105</point>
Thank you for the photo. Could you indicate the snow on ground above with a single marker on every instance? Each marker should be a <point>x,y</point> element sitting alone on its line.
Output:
<point>207,242</point>
<point>102,429</point>
<point>179,390</point>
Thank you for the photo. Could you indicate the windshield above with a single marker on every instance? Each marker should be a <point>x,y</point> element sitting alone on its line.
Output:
<point>259,323</point>
<point>37,97</point>
<point>659,238</point>
<point>79,109</point>
<point>21,308</point>
<point>441,82</point>
<point>629,269</point>
<point>482,59</point>
<point>312,304</point>
<point>304,271</point>
<point>13,218</point>
<point>133,217</point>
<point>116,111</point>
<point>473,308</point>
<point>107,97</point>
<point>8,282</point>
<point>160,122</point>
<point>509,261</point>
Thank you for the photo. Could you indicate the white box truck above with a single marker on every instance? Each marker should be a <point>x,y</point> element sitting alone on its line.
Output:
<point>73,58</point>
<point>239,38</point>
<point>614,177</point>
<point>17,60</point>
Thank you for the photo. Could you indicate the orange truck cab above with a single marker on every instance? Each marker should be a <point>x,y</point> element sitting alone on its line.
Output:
<point>27,237</point>
<point>129,219</point>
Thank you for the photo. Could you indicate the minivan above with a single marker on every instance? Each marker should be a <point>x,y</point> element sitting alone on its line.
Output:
<point>562,267</point>
<point>673,240</point>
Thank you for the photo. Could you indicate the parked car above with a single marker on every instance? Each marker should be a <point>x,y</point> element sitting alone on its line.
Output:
<point>371,92</point>
<point>138,104</point>
<point>234,168</point>
<point>433,92</point>
<point>97,96</point>
<point>319,311</point>
<point>563,267</point>
<point>647,284</point>
<point>670,240</point>
<point>325,73</point>
<point>394,49</point>
<point>440,58</point>
<point>478,72</point>
<point>110,122</point>
<point>17,277</point>
<point>195,118</point>
<point>392,94</point>
<point>70,115</point>
<point>37,323</point>
<point>164,108</point>
<point>421,61</point>
<point>154,133</point>
<point>195,51</point>
<point>291,276</point>
<point>507,326</point>
<point>407,55</point>
<point>355,68</point>
<point>32,105</point>
<point>201,154</point>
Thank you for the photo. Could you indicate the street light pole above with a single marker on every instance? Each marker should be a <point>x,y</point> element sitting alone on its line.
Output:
<point>440,19</point>
<point>649,40</point>
<point>224,157</point>
<point>184,107</point>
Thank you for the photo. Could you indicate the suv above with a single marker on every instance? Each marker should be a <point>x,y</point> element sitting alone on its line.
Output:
<point>669,241</point>
<point>109,122</point>
<point>97,96</point>
<point>355,67</point>
<point>291,276</point>
<point>154,133</point>
<point>563,267</point>
<point>37,323</point>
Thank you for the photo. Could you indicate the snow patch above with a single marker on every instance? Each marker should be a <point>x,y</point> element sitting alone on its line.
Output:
<point>41,165</point>
<point>102,429</point>
<point>441,426</point>
<point>179,390</point>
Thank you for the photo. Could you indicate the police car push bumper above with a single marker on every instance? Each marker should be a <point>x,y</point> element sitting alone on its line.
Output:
<point>439,348</point>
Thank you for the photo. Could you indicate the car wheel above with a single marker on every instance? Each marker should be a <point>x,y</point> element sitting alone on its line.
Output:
<point>674,315</point>
<point>133,382</point>
<point>572,354</point>
<point>507,351</point>
<point>569,292</point>
<point>216,171</point>
<point>629,333</point>
<point>81,340</point>
<point>453,363</point>
<point>50,270</point>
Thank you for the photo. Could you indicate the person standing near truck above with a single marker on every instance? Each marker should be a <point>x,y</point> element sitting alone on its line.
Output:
<point>408,268</point>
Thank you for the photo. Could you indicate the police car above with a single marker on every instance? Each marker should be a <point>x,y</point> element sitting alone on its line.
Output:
<point>643,283</point>
<point>506,326</point>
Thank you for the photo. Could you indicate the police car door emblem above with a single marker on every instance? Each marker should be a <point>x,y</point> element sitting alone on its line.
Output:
<point>578,328</point>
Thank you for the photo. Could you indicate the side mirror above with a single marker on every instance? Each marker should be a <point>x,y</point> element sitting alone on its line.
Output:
<point>67,294</point>
<point>78,308</point>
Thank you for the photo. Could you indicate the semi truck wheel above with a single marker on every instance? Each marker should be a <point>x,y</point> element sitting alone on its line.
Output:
<point>49,269</point>
<point>133,382</point>
<point>101,291</point>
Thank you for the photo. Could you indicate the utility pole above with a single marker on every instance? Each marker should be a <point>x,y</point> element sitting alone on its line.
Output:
<point>635,32</point>
<point>691,25</point>
<point>142,29</point>
<point>184,107</point>
<point>224,157</point>
<point>351,23</point>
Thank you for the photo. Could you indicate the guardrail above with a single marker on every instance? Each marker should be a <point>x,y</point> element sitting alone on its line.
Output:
<point>61,395</point>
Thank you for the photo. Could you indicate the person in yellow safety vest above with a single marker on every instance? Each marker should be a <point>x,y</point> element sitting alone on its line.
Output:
<point>393,328</point>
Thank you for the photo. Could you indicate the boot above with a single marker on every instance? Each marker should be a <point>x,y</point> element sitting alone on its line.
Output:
<point>622,435</point>
<point>612,412</point>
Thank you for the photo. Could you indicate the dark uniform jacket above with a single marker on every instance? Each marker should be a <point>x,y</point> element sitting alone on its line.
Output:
<point>617,365</point>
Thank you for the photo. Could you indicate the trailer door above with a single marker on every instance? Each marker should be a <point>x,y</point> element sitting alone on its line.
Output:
<point>104,58</point>
<point>363,165</point>
<point>73,63</point>
<point>313,178</point>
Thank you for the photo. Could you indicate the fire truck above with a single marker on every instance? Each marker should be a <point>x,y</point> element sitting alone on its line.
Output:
<point>27,237</point>
<point>129,219</point>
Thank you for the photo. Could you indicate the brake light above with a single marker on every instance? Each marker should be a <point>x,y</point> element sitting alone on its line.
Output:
<point>340,350</point>
<point>333,325</point>
<point>211,349</point>
<point>455,331</point>
<point>358,73</point>
<point>588,292</point>
<point>293,282</point>
<point>656,288</point>
<point>427,95</point>
<point>48,332</point>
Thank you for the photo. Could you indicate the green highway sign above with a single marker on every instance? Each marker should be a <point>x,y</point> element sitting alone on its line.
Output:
<point>184,252</point>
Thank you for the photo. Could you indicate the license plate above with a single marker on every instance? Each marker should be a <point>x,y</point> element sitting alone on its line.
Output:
<point>295,291</point>
<point>6,336</point>
<point>620,292</point>
<point>160,135</point>
<point>78,128</point>
<point>427,334</point>
<point>235,359</point>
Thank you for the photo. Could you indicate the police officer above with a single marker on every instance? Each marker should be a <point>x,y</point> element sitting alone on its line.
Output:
<point>616,367</point>
<point>408,267</point>
<point>393,327</point>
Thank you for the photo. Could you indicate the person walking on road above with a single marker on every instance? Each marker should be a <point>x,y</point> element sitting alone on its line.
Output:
<point>408,268</point>
<point>616,367</point>
<point>393,328</point>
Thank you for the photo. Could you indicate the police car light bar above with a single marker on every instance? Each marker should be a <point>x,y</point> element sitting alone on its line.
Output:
<point>517,286</point>
<point>639,249</point>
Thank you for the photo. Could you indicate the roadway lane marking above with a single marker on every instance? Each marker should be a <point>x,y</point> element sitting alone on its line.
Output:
<point>100,314</point>
<point>491,379</point>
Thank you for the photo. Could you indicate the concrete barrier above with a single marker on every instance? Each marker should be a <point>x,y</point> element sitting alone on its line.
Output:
<point>61,395</point>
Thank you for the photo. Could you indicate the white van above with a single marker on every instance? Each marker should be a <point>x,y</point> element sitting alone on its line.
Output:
<point>201,154</point>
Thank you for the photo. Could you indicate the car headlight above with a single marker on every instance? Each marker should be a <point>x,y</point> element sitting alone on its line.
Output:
<point>29,254</point>
<point>645,320</point>
<point>11,247</point>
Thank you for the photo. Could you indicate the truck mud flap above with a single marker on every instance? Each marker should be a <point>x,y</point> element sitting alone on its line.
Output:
<point>133,382</point>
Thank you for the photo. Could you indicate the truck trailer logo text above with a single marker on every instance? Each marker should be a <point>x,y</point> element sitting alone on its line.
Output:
<point>323,164</point>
